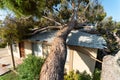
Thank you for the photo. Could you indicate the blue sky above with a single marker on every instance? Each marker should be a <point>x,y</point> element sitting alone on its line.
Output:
<point>112,7</point>
<point>2,14</point>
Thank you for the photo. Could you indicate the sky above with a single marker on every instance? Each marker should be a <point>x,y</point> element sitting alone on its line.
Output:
<point>2,14</point>
<point>111,7</point>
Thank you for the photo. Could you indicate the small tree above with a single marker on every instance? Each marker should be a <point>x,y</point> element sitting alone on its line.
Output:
<point>8,34</point>
<point>14,30</point>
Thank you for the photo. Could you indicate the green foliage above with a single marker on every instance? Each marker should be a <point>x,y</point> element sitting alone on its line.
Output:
<point>83,76</point>
<point>3,45</point>
<point>8,31</point>
<point>65,14</point>
<point>24,7</point>
<point>60,10</point>
<point>77,76</point>
<point>70,76</point>
<point>96,74</point>
<point>30,68</point>
<point>16,29</point>
<point>51,3</point>
<point>107,28</point>
<point>95,12</point>
<point>9,76</point>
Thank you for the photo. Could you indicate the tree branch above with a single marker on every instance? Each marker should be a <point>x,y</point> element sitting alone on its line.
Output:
<point>52,20</point>
<point>44,28</point>
<point>86,7</point>
<point>117,38</point>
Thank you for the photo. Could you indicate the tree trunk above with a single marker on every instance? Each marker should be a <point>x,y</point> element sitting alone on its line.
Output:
<point>13,60</point>
<point>53,68</point>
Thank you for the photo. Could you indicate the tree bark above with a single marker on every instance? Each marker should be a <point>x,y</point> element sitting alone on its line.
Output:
<point>11,49</point>
<point>117,38</point>
<point>53,68</point>
<point>12,55</point>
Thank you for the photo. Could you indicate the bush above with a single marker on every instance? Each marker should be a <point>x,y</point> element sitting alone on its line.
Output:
<point>77,76</point>
<point>30,68</point>
<point>96,74</point>
<point>83,76</point>
<point>3,45</point>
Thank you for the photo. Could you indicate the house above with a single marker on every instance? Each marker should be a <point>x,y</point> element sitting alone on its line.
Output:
<point>82,47</point>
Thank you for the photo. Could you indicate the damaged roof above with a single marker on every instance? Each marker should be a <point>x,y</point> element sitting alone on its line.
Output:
<point>75,38</point>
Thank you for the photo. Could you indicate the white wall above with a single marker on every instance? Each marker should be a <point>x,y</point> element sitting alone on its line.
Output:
<point>67,63</point>
<point>16,51</point>
<point>33,48</point>
<point>82,61</point>
<point>37,49</point>
<point>28,48</point>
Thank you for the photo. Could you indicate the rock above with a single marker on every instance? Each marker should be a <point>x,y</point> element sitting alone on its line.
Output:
<point>111,67</point>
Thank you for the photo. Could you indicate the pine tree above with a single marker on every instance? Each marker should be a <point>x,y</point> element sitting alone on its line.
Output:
<point>66,14</point>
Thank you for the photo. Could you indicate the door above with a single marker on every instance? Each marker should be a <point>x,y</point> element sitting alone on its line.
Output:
<point>21,48</point>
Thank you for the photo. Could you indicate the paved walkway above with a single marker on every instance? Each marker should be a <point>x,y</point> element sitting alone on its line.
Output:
<point>6,61</point>
<point>3,70</point>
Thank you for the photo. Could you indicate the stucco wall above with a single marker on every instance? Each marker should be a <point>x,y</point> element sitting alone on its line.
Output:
<point>16,51</point>
<point>28,48</point>
<point>67,63</point>
<point>81,61</point>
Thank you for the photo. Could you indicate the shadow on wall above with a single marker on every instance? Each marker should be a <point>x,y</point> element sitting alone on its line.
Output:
<point>87,60</point>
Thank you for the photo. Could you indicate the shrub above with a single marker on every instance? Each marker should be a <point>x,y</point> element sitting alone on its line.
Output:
<point>96,74</point>
<point>3,45</point>
<point>77,76</point>
<point>83,76</point>
<point>30,68</point>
